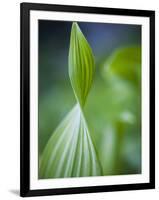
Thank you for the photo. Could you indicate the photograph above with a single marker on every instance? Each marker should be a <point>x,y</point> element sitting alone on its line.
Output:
<point>89,99</point>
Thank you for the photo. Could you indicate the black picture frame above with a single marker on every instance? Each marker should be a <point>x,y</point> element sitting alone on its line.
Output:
<point>25,9</point>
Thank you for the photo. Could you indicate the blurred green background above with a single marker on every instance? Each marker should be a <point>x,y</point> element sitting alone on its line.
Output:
<point>113,107</point>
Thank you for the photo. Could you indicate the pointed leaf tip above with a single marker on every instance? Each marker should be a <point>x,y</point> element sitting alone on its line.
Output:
<point>81,64</point>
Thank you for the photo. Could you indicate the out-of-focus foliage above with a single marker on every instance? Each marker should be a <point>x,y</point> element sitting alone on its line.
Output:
<point>70,151</point>
<point>122,74</point>
<point>125,63</point>
<point>113,107</point>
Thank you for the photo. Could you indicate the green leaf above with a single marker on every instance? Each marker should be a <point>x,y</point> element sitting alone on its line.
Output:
<point>70,151</point>
<point>125,63</point>
<point>81,64</point>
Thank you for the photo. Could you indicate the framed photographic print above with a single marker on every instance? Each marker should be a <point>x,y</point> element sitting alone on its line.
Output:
<point>87,99</point>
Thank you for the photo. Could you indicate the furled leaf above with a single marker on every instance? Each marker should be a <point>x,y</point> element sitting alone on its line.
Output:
<point>81,64</point>
<point>70,151</point>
